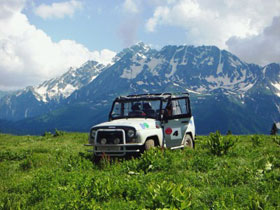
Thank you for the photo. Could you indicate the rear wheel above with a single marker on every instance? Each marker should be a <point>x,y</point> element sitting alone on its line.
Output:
<point>188,141</point>
<point>150,143</point>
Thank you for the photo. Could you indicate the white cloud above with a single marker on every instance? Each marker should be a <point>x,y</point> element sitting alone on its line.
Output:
<point>29,56</point>
<point>160,14</point>
<point>130,6</point>
<point>58,10</point>
<point>104,56</point>
<point>213,22</point>
<point>262,49</point>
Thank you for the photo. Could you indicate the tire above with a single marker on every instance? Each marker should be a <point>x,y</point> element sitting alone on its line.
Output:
<point>188,141</point>
<point>149,144</point>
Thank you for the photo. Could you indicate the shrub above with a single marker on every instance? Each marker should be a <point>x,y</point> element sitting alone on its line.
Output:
<point>167,195</point>
<point>47,134</point>
<point>26,164</point>
<point>276,140</point>
<point>256,140</point>
<point>155,160</point>
<point>10,155</point>
<point>218,144</point>
<point>58,133</point>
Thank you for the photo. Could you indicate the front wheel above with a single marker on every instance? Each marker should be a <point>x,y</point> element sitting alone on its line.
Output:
<point>188,141</point>
<point>149,144</point>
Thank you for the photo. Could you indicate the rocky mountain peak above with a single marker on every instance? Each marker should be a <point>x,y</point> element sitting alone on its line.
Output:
<point>140,49</point>
<point>63,86</point>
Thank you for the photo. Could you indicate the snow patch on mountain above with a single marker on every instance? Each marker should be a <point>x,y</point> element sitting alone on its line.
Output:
<point>65,85</point>
<point>220,68</point>
<point>209,60</point>
<point>192,91</point>
<point>173,64</point>
<point>135,69</point>
<point>140,82</point>
<point>220,65</point>
<point>201,88</point>
<point>245,87</point>
<point>45,92</point>
<point>41,93</point>
<point>277,87</point>
<point>153,65</point>
<point>68,90</point>
<point>234,62</point>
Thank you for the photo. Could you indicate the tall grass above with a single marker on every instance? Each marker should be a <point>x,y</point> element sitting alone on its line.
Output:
<point>58,173</point>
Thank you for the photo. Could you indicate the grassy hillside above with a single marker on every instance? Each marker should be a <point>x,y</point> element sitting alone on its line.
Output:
<point>57,173</point>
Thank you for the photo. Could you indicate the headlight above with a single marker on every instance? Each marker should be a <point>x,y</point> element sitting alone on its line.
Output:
<point>117,141</point>
<point>130,133</point>
<point>93,132</point>
<point>103,141</point>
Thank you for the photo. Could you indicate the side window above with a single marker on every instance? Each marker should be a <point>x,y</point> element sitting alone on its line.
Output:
<point>180,107</point>
<point>176,108</point>
<point>184,106</point>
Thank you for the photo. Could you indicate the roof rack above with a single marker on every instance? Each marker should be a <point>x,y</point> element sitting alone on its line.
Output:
<point>153,95</point>
<point>157,94</point>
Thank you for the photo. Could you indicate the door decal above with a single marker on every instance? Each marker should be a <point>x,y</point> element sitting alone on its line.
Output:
<point>144,125</point>
<point>176,134</point>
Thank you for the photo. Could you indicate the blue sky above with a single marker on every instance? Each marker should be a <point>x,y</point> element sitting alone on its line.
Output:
<point>105,24</point>
<point>41,39</point>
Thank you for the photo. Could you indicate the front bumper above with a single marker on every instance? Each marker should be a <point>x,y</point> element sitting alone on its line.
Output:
<point>115,149</point>
<point>109,145</point>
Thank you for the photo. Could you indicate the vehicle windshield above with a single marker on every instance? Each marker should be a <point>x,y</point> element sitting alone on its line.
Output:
<point>139,108</point>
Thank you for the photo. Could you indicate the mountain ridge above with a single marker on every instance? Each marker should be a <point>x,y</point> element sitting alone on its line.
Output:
<point>208,73</point>
<point>48,95</point>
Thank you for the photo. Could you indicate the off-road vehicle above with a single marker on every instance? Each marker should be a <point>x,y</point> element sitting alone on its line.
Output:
<point>140,122</point>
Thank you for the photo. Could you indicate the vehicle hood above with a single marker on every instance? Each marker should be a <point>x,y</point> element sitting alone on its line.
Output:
<point>137,123</point>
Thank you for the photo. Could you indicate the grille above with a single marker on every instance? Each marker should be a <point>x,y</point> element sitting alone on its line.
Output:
<point>110,136</point>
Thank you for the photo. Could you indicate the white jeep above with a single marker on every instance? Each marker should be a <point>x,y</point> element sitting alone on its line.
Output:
<point>140,122</point>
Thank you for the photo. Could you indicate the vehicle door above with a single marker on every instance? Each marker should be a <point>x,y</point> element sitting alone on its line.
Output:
<point>175,122</point>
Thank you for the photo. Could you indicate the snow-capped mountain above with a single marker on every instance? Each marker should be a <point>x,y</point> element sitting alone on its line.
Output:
<point>65,85</point>
<point>226,92</point>
<point>271,78</point>
<point>34,101</point>
<point>200,70</point>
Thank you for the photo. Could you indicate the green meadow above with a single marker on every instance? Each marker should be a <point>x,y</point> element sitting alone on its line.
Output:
<point>222,172</point>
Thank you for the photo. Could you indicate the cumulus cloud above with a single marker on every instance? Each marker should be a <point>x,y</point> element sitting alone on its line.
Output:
<point>130,6</point>
<point>262,49</point>
<point>29,56</point>
<point>213,22</point>
<point>58,10</point>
